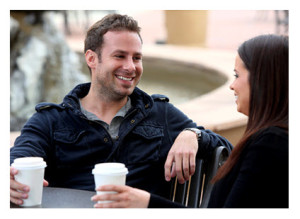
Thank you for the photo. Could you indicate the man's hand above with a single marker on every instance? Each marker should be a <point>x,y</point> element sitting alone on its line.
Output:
<point>181,157</point>
<point>18,191</point>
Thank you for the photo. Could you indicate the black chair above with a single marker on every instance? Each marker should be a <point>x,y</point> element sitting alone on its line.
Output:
<point>196,192</point>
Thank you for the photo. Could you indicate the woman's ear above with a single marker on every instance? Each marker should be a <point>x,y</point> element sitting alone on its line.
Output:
<point>91,59</point>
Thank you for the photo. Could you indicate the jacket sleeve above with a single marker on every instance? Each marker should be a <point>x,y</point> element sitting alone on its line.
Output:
<point>177,121</point>
<point>34,140</point>
<point>209,141</point>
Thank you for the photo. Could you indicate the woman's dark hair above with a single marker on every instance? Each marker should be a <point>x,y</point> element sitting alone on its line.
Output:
<point>266,59</point>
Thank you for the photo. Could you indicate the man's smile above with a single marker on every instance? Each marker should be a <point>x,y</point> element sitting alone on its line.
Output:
<point>125,78</point>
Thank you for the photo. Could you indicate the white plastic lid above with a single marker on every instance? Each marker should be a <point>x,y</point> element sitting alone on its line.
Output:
<point>29,163</point>
<point>110,169</point>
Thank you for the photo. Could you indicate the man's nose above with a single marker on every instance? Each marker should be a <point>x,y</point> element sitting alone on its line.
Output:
<point>129,65</point>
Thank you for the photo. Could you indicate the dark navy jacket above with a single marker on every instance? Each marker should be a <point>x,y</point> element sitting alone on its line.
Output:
<point>71,144</point>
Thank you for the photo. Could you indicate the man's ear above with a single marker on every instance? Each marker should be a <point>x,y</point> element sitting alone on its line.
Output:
<point>91,58</point>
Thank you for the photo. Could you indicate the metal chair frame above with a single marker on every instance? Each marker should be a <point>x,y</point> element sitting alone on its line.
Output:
<point>196,191</point>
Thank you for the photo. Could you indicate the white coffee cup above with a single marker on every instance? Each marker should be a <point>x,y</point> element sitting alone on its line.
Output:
<point>109,174</point>
<point>31,173</point>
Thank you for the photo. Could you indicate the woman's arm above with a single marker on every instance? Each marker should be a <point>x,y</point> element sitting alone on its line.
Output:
<point>124,197</point>
<point>128,197</point>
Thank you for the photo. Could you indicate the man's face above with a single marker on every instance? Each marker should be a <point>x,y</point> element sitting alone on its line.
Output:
<point>120,67</point>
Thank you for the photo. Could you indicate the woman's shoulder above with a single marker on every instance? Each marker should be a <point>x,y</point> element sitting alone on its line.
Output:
<point>273,138</point>
<point>275,130</point>
<point>272,132</point>
<point>267,151</point>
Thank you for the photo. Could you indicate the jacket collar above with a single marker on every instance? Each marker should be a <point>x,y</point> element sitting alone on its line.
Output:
<point>139,99</point>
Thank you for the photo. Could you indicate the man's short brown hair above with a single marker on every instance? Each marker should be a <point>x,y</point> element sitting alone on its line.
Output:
<point>111,22</point>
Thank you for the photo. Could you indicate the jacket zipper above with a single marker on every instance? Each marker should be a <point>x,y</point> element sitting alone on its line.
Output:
<point>117,149</point>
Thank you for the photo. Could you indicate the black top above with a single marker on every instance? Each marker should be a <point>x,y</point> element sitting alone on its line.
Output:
<point>258,180</point>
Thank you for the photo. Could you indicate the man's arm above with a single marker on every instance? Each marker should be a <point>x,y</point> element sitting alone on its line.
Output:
<point>181,157</point>
<point>18,191</point>
<point>33,142</point>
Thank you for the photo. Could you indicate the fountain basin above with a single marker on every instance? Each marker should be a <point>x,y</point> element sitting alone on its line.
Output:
<point>215,110</point>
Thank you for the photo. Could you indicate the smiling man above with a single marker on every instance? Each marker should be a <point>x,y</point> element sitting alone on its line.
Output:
<point>115,73</point>
<point>111,120</point>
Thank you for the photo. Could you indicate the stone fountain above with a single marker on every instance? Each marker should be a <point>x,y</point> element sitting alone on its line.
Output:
<point>42,66</point>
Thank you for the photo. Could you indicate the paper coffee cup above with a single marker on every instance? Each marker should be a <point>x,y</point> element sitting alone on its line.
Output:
<point>109,174</point>
<point>31,173</point>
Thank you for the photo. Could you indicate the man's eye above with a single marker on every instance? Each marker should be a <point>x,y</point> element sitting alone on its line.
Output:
<point>137,58</point>
<point>119,56</point>
<point>236,75</point>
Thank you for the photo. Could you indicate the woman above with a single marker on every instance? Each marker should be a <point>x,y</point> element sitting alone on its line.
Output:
<point>256,172</point>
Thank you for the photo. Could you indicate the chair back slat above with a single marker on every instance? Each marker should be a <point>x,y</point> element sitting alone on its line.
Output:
<point>196,192</point>
<point>180,192</point>
<point>220,156</point>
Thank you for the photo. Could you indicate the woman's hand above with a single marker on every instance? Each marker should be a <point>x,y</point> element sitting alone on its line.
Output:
<point>124,197</point>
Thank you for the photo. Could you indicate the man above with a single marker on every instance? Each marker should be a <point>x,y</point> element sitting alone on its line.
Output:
<point>111,120</point>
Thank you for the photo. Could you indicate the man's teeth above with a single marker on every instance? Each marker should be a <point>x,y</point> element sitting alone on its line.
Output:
<point>123,78</point>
